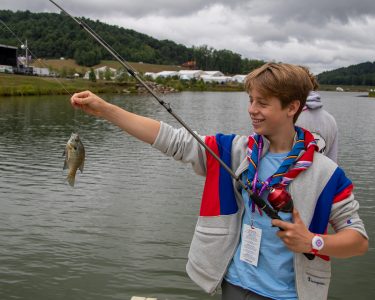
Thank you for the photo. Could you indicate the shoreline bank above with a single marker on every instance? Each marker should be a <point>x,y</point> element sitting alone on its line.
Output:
<point>21,85</point>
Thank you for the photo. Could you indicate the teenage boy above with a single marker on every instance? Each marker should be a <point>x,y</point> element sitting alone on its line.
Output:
<point>235,245</point>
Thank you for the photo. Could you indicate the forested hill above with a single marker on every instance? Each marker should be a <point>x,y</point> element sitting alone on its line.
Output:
<point>52,35</point>
<point>361,74</point>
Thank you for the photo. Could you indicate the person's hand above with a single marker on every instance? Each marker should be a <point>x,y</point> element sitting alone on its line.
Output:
<point>89,103</point>
<point>295,235</point>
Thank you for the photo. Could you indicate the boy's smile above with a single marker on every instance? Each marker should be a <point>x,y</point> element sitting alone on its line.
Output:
<point>270,119</point>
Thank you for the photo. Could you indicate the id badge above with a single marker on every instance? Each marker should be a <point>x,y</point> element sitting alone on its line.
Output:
<point>250,248</point>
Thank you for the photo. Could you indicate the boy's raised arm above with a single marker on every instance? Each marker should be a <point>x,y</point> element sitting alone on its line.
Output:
<point>144,129</point>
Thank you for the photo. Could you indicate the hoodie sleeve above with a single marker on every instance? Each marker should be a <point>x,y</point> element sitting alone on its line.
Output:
<point>344,212</point>
<point>333,150</point>
<point>182,146</point>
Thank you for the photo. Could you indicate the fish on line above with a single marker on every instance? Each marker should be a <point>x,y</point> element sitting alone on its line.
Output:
<point>74,157</point>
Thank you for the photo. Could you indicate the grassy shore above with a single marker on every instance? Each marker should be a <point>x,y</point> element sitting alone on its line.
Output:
<point>70,66</point>
<point>346,88</point>
<point>20,85</point>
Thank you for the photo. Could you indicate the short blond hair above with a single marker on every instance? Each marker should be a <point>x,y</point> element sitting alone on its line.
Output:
<point>284,81</point>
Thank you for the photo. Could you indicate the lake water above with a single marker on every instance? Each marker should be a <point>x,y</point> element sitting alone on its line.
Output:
<point>126,227</point>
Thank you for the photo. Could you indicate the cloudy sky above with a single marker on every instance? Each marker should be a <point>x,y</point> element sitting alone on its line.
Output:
<point>321,34</point>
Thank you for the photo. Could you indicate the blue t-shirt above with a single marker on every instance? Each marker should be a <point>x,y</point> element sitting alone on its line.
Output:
<point>274,275</point>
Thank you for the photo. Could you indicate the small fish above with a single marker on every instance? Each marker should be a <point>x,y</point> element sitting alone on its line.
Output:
<point>74,157</point>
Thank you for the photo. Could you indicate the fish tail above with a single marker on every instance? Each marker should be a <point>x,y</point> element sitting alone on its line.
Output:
<point>71,178</point>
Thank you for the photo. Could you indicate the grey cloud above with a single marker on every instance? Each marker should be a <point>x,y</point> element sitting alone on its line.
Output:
<point>34,6</point>
<point>135,9</point>
<point>138,9</point>
<point>318,12</point>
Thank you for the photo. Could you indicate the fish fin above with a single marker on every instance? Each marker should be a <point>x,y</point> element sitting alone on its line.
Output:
<point>65,164</point>
<point>71,178</point>
<point>81,166</point>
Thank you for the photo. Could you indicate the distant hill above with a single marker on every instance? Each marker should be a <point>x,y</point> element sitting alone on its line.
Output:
<point>52,36</point>
<point>361,74</point>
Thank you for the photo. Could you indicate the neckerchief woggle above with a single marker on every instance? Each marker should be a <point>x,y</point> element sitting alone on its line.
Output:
<point>297,160</point>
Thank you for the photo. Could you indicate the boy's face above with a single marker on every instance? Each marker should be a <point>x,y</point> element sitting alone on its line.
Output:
<point>267,115</point>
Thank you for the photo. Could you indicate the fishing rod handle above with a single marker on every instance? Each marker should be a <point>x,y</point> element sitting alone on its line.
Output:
<point>274,216</point>
<point>309,256</point>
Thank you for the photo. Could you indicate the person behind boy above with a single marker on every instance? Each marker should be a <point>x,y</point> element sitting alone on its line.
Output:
<point>235,244</point>
<point>319,121</point>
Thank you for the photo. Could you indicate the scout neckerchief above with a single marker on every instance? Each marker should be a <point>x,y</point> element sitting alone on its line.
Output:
<point>297,160</point>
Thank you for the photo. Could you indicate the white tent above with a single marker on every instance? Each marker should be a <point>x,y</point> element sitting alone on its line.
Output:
<point>213,73</point>
<point>166,74</point>
<point>189,74</point>
<point>150,74</point>
<point>218,79</point>
<point>239,78</point>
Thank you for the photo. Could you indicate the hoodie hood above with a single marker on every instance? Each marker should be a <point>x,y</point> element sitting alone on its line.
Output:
<point>313,101</point>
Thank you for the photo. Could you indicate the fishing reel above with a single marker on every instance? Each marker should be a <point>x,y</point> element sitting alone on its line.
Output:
<point>280,199</point>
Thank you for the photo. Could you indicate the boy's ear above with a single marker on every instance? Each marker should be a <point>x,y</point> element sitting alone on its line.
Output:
<point>293,107</point>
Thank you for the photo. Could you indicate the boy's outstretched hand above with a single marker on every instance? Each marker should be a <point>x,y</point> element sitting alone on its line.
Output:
<point>89,103</point>
<point>295,235</point>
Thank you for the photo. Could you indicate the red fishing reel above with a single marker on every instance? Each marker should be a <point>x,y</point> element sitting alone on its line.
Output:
<point>280,198</point>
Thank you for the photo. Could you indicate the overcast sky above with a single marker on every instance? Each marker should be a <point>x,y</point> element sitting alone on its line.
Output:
<point>321,34</point>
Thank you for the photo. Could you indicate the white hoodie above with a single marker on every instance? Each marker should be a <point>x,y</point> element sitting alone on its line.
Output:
<point>321,124</point>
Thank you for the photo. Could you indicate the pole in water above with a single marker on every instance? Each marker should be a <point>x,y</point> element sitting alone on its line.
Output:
<point>258,200</point>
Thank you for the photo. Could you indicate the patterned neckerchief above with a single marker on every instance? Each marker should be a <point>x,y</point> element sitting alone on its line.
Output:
<point>298,159</point>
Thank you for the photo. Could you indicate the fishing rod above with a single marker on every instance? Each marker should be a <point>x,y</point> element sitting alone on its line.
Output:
<point>32,54</point>
<point>258,200</point>
<point>270,212</point>
<point>42,63</point>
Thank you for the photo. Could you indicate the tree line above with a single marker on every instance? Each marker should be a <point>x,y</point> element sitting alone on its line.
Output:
<point>52,35</point>
<point>360,74</point>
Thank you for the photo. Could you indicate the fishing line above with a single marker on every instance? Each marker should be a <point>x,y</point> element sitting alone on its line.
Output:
<point>41,61</point>
<point>258,200</point>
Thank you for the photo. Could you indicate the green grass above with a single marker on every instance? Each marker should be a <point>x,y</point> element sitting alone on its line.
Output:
<point>70,64</point>
<point>20,85</point>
